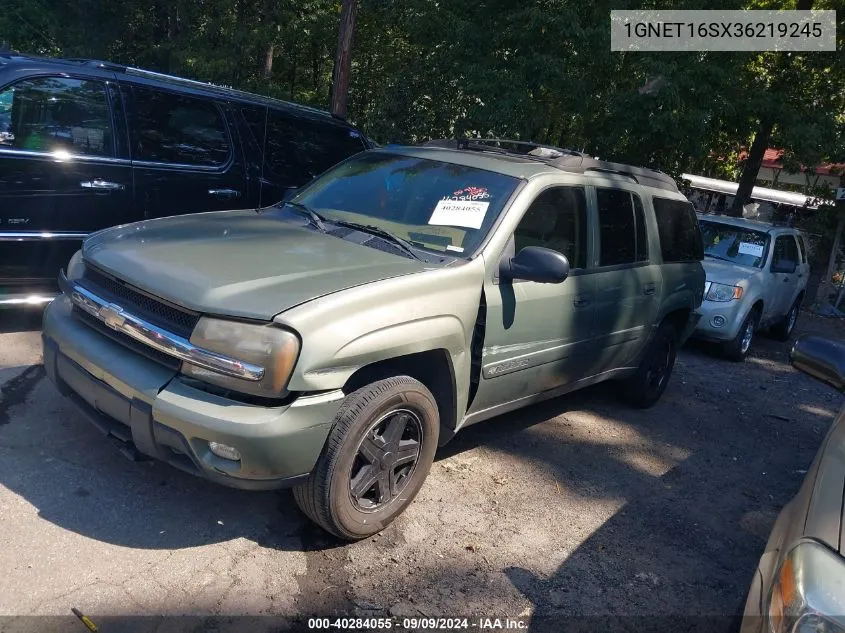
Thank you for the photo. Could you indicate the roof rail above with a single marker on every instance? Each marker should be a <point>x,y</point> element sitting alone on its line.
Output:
<point>96,63</point>
<point>151,74</point>
<point>613,171</point>
<point>468,143</point>
<point>641,175</point>
<point>564,159</point>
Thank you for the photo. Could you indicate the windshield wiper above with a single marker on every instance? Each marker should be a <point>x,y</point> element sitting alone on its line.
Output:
<point>724,259</point>
<point>386,235</point>
<point>315,219</point>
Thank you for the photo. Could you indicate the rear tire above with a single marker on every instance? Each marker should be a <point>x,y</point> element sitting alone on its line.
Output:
<point>645,387</point>
<point>375,460</point>
<point>783,329</point>
<point>737,349</point>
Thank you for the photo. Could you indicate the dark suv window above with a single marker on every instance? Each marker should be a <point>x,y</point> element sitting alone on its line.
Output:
<point>557,219</point>
<point>56,114</point>
<point>622,231</point>
<point>172,128</point>
<point>297,149</point>
<point>680,235</point>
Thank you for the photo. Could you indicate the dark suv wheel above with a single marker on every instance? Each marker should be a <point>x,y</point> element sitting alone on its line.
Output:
<point>375,460</point>
<point>646,386</point>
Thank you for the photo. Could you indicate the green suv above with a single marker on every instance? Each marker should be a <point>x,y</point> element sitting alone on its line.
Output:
<point>332,342</point>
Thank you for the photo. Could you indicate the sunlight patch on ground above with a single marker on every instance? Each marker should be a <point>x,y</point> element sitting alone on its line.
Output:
<point>770,365</point>
<point>822,412</point>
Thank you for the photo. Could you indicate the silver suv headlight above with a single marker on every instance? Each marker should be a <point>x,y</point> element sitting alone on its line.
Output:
<point>270,347</point>
<point>808,593</point>
<point>723,292</point>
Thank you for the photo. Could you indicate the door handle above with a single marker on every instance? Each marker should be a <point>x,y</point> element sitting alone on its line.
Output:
<point>581,301</point>
<point>649,289</point>
<point>224,193</point>
<point>785,279</point>
<point>101,185</point>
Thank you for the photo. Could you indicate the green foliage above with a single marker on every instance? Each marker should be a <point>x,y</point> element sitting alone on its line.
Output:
<point>538,69</point>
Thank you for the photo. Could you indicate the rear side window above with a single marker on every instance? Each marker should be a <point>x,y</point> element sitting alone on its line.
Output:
<point>298,149</point>
<point>680,235</point>
<point>622,231</point>
<point>177,129</point>
<point>56,114</point>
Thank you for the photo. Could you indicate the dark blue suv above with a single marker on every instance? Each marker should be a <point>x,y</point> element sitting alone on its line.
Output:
<point>86,144</point>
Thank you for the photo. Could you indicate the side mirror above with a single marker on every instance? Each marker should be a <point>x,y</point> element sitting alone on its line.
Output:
<point>784,266</point>
<point>821,358</point>
<point>538,264</point>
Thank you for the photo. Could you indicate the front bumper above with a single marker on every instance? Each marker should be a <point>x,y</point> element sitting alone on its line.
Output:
<point>732,312</point>
<point>151,411</point>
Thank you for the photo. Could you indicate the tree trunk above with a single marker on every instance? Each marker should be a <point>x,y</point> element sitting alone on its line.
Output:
<point>823,293</point>
<point>343,61</point>
<point>751,167</point>
<point>267,64</point>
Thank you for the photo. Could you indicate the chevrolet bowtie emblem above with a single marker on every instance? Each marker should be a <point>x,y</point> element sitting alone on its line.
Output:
<point>112,315</point>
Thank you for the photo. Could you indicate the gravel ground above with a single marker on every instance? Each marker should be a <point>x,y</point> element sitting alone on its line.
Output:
<point>578,506</point>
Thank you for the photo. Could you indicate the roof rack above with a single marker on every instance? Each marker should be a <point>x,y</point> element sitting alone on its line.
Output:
<point>564,159</point>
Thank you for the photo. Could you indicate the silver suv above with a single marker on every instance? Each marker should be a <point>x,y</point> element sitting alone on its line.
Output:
<point>756,279</point>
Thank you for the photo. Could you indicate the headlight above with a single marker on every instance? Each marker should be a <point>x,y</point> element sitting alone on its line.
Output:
<point>723,292</point>
<point>268,346</point>
<point>75,267</point>
<point>808,594</point>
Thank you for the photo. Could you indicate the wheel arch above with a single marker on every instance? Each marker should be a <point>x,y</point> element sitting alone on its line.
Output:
<point>433,368</point>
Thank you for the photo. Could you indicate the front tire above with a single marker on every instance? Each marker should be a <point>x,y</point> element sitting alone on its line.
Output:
<point>737,349</point>
<point>375,460</point>
<point>645,387</point>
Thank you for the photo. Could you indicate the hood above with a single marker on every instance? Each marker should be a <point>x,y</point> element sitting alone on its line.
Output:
<point>726,272</point>
<point>237,263</point>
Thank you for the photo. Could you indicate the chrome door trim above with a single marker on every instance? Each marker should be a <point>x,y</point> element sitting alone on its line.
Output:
<point>27,236</point>
<point>62,157</point>
<point>24,299</point>
<point>118,319</point>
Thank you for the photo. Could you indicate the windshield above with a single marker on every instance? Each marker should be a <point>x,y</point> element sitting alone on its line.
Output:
<point>735,244</point>
<point>439,206</point>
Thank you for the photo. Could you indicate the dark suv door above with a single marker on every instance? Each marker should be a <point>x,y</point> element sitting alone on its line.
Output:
<point>185,154</point>
<point>64,172</point>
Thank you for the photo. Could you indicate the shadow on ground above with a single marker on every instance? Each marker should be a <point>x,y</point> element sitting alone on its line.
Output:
<point>28,320</point>
<point>685,541</point>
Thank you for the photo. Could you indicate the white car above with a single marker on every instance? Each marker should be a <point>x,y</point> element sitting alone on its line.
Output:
<point>756,279</point>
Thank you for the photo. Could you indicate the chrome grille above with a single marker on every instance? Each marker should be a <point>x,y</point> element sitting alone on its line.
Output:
<point>160,357</point>
<point>160,313</point>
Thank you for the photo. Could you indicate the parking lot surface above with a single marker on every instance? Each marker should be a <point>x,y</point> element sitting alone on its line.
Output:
<point>580,505</point>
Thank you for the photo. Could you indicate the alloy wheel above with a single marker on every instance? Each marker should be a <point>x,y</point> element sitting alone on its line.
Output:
<point>658,369</point>
<point>385,460</point>
<point>747,336</point>
<point>793,317</point>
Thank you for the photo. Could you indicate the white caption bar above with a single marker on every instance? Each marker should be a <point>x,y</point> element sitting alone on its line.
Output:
<point>652,31</point>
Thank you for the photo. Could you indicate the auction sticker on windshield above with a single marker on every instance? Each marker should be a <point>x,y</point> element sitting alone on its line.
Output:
<point>746,248</point>
<point>466,213</point>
